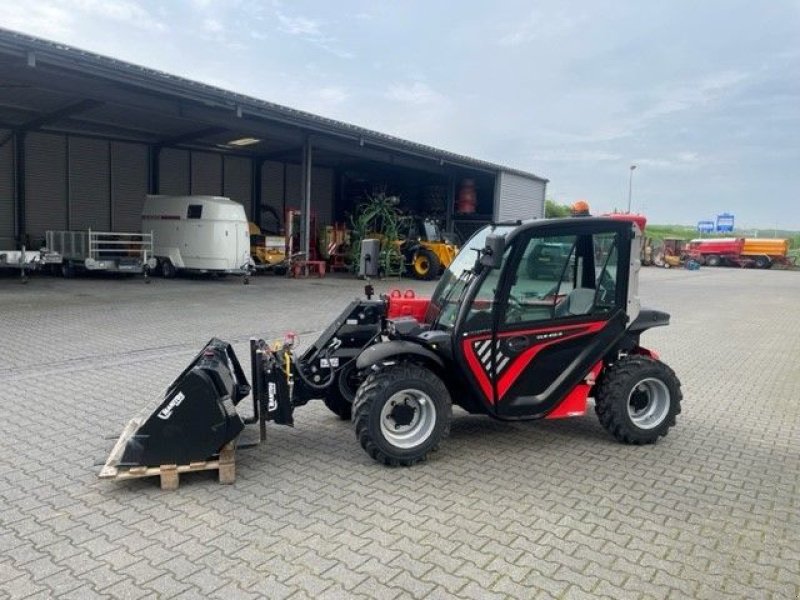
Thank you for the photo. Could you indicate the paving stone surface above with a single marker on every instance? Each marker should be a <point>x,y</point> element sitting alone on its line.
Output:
<point>552,509</point>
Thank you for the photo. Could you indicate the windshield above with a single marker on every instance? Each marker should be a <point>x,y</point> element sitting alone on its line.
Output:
<point>446,298</point>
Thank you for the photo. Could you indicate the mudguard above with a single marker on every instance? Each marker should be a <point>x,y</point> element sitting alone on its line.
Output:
<point>386,350</point>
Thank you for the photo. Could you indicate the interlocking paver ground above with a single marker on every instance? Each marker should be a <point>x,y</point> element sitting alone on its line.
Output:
<point>527,510</point>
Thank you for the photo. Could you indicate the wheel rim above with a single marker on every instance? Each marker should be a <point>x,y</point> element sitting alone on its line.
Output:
<point>408,418</point>
<point>648,403</point>
<point>421,265</point>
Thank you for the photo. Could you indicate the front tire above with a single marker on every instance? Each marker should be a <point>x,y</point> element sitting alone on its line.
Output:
<point>638,399</point>
<point>401,414</point>
<point>712,260</point>
<point>425,265</point>
<point>342,393</point>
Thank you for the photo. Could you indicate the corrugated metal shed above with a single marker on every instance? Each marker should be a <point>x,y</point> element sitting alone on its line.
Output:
<point>518,197</point>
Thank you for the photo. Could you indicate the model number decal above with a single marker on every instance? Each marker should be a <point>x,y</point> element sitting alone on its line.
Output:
<point>272,403</point>
<point>166,412</point>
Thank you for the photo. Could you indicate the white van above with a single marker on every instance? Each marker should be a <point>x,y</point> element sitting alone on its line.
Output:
<point>207,234</point>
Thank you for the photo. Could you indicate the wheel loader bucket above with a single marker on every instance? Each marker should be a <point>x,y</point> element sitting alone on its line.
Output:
<point>195,418</point>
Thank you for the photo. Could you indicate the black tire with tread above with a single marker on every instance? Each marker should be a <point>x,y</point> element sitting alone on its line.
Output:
<point>712,260</point>
<point>614,388</point>
<point>339,398</point>
<point>168,270</point>
<point>434,264</point>
<point>377,389</point>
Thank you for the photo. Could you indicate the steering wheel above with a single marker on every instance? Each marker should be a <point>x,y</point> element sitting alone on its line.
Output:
<point>515,309</point>
<point>605,288</point>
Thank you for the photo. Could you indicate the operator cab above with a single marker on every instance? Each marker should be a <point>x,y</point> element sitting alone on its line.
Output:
<point>537,310</point>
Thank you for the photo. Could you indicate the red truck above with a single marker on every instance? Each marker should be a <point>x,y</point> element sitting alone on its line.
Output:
<point>740,252</point>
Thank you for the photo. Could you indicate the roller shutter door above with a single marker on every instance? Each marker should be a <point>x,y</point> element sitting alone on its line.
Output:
<point>238,182</point>
<point>173,172</point>
<point>518,197</point>
<point>272,194</point>
<point>294,187</point>
<point>6,193</point>
<point>322,195</point>
<point>206,173</point>
<point>129,169</point>
<point>45,184</point>
<point>89,194</point>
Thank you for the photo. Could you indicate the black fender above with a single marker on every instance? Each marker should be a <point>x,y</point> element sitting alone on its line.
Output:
<point>386,350</point>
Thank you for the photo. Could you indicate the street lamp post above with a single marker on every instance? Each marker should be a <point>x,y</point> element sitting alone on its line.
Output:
<point>630,188</point>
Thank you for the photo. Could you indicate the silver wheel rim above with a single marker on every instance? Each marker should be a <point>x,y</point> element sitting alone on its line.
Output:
<point>422,422</point>
<point>648,403</point>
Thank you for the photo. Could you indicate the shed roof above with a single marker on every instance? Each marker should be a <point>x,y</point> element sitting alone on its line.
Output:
<point>22,57</point>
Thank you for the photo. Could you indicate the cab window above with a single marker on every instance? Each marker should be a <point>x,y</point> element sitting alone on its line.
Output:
<point>562,277</point>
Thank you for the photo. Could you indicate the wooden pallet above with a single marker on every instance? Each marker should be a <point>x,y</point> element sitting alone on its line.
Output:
<point>170,474</point>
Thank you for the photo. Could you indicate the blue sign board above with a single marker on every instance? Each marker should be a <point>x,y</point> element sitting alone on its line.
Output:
<point>705,226</point>
<point>725,223</point>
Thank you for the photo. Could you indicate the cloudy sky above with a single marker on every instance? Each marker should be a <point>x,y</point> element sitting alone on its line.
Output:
<point>704,97</point>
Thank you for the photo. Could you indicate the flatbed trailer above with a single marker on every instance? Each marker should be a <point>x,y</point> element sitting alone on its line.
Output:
<point>26,261</point>
<point>111,251</point>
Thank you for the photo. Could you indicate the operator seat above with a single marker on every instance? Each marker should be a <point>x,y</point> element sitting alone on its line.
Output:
<point>578,302</point>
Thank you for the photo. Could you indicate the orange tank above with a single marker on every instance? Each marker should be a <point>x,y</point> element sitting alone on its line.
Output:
<point>768,247</point>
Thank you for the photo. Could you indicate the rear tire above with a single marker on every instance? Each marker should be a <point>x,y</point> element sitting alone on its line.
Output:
<point>712,260</point>
<point>638,399</point>
<point>425,265</point>
<point>401,414</point>
<point>762,262</point>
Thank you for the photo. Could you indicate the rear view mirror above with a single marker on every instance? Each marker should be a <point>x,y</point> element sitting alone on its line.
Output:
<point>492,254</point>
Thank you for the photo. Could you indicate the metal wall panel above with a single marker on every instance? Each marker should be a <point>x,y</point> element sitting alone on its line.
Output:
<point>45,184</point>
<point>6,192</point>
<point>173,172</point>
<point>518,197</point>
<point>206,173</point>
<point>89,193</point>
<point>271,192</point>
<point>294,187</point>
<point>322,195</point>
<point>238,185</point>
<point>129,168</point>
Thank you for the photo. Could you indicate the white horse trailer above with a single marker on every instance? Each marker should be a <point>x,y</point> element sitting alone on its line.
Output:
<point>204,234</point>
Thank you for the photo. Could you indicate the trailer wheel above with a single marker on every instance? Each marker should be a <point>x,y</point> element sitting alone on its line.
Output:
<point>712,260</point>
<point>67,270</point>
<point>425,264</point>
<point>638,399</point>
<point>401,414</point>
<point>168,270</point>
<point>342,393</point>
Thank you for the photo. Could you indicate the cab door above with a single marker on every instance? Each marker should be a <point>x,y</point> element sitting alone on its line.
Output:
<point>559,307</point>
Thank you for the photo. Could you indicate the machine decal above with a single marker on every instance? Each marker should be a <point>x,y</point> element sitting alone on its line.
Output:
<point>166,412</point>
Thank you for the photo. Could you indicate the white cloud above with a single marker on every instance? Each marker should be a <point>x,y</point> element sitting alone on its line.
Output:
<point>44,19</point>
<point>693,94</point>
<point>213,26</point>
<point>128,12</point>
<point>301,26</point>
<point>311,31</point>
<point>416,94</point>
<point>538,25</point>
<point>568,156</point>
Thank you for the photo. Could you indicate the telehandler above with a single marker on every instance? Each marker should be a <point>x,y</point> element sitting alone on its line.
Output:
<point>511,332</point>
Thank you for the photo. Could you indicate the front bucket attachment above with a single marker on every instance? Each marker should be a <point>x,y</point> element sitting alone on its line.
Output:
<point>193,421</point>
